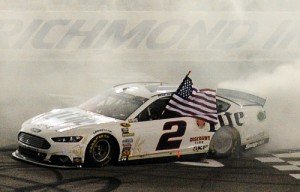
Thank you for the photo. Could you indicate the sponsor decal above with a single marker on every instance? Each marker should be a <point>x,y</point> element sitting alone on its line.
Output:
<point>127,140</point>
<point>128,134</point>
<point>35,130</point>
<point>164,94</point>
<point>230,119</point>
<point>261,115</point>
<point>126,150</point>
<point>101,130</point>
<point>96,139</point>
<point>127,146</point>
<point>255,144</point>
<point>125,133</point>
<point>125,130</point>
<point>200,138</point>
<point>200,148</point>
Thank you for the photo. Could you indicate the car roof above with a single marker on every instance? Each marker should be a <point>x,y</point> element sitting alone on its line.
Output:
<point>146,89</point>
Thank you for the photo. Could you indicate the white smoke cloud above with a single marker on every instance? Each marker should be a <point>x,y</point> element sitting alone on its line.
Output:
<point>281,88</point>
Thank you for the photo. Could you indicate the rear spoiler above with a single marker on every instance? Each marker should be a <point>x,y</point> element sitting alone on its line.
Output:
<point>242,98</point>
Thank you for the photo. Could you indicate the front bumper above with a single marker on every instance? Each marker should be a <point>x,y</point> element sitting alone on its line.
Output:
<point>39,150</point>
<point>19,156</point>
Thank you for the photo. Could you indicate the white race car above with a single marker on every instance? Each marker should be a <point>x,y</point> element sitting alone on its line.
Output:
<point>129,122</point>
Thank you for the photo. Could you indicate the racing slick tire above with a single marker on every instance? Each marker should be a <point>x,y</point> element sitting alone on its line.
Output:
<point>225,142</point>
<point>99,151</point>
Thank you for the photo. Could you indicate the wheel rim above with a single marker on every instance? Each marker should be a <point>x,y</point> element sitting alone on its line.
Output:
<point>223,142</point>
<point>101,150</point>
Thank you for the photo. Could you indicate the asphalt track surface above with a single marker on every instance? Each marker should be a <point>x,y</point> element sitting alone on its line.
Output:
<point>251,172</point>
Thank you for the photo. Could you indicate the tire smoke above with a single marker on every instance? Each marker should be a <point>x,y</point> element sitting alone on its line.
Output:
<point>281,89</point>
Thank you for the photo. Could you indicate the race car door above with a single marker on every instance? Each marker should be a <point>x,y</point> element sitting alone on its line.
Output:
<point>161,133</point>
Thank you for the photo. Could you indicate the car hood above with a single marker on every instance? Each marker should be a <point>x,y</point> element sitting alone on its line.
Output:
<point>66,119</point>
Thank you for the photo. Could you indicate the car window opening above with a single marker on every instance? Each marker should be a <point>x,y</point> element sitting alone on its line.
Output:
<point>156,110</point>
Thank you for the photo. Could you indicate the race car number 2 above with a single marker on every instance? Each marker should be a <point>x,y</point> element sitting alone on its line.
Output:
<point>165,142</point>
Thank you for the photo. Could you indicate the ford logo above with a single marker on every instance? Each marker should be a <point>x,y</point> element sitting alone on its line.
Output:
<point>36,130</point>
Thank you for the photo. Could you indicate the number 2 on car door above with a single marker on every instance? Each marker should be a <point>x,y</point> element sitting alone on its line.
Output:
<point>164,141</point>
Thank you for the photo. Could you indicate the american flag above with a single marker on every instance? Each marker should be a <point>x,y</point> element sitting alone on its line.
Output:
<point>191,102</point>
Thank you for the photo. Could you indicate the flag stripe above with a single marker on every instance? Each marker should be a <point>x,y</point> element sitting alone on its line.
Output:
<point>199,107</point>
<point>202,104</point>
<point>205,103</point>
<point>190,114</point>
<point>204,96</point>
<point>188,110</point>
<point>204,117</point>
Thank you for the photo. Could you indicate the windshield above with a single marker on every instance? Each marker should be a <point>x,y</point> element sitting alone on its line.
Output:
<point>113,104</point>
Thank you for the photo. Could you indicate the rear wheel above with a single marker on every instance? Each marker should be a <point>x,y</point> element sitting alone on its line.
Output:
<point>99,151</point>
<point>225,142</point>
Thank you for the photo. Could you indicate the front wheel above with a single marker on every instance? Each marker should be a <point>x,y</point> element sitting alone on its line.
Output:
<point>225,142</point>
<point>99,151</point>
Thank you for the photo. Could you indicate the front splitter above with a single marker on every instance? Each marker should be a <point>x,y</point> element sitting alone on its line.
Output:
<point>18,156</point>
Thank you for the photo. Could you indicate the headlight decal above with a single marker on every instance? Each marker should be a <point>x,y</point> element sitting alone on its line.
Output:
<point>70,139</point>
